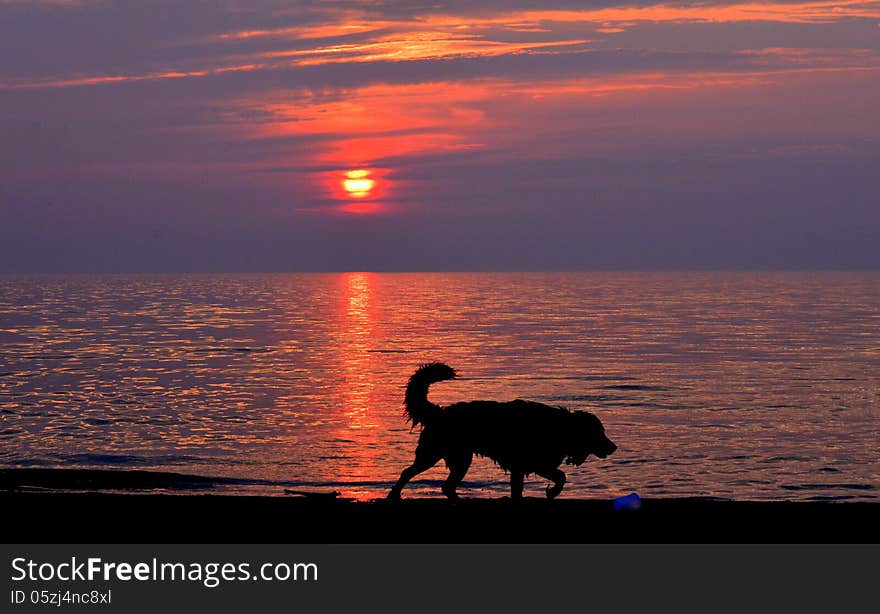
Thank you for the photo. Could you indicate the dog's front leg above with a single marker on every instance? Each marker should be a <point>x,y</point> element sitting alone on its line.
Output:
<point>558,479</point>
<point>516,484</point>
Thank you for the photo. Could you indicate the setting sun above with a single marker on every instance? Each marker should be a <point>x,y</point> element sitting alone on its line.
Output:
<point>358,183</point>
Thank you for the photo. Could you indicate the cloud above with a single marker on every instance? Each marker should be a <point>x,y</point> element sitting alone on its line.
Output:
<point>134,41</point>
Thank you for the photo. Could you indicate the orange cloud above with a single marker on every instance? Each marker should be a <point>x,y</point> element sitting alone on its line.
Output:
<point>802,12</point>
<point>108,79</point>
<point>445,36</point>
<point>822,11</point>
<point>363,126</point>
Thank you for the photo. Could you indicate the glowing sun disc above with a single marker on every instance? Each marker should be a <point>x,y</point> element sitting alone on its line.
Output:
<point>357,183</point>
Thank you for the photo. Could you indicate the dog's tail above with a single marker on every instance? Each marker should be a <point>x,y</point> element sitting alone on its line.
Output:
<point>418,409</point>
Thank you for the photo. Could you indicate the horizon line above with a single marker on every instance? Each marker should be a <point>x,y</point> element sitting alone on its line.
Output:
<point>438,271</point>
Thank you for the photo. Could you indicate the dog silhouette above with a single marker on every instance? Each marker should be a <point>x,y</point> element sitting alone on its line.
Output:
<point>523,437</point>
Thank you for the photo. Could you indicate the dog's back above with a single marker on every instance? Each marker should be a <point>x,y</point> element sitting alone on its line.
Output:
<point>515,434</point>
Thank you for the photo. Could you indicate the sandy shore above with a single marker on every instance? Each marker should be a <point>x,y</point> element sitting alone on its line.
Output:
<point>96,505</point>
<point>38,517</point>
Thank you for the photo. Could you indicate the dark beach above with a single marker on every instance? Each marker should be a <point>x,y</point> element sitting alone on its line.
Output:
<point>65,506</point>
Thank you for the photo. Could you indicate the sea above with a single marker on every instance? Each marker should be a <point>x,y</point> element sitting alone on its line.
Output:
<point>746,386</point>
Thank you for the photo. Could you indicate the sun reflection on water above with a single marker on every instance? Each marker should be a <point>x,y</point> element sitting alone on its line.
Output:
<point>357,333</point>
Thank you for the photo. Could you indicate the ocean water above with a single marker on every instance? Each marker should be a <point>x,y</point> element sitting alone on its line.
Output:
<point>746,386</point>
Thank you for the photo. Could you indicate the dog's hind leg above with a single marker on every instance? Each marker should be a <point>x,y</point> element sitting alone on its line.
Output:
<point>424,461</point>
<point>517,478</point>
<point>558,479</point>
<point>458,464</point>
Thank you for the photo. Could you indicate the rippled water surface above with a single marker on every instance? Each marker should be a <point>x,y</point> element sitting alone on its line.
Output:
<point>749,386</point>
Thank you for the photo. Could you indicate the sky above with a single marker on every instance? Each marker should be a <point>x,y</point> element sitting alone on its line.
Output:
<point>264,135</point>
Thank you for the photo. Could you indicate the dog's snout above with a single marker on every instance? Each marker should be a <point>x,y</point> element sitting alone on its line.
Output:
<point>608,449</point>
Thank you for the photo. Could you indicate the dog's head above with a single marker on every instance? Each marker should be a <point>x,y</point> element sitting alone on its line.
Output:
<point>586,436</point>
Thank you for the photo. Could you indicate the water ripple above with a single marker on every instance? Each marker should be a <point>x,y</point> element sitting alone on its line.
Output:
<point>756,386</point>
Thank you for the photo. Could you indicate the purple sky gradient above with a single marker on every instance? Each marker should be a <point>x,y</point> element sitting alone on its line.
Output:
<point>214,135</point>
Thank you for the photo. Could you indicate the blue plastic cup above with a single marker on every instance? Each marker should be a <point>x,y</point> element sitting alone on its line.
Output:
<point>629,502</point>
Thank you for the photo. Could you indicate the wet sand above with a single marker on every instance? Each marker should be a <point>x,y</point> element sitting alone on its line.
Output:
<point>68,517</point>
